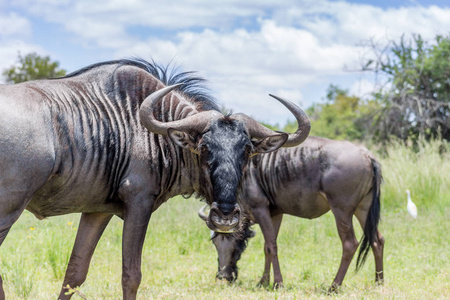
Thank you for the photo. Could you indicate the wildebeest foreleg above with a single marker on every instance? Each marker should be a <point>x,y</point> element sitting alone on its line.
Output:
<point>137,216</point>
<point>269,227</point>
<point>90,229</point>
<point>349,243</point>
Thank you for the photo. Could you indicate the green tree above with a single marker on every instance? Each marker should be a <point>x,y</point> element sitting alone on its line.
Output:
<point>33,66</point>
<point>342,116</point>
<point>417,102</point>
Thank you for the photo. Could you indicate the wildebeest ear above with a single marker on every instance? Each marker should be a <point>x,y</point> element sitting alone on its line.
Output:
<point>270,143</point>
<point>182,139</point>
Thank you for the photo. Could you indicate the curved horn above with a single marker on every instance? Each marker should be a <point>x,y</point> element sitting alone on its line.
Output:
<point>258,130</point>
<point>304,125</point>
<point>202,214</point>
<point>197,122</point>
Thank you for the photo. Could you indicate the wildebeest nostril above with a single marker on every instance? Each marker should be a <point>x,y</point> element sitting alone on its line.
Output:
<point>235,219</point>
<point>215,218</point>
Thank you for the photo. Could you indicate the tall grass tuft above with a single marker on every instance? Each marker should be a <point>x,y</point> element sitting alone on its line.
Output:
<point>58,249</point>
<point>19,275</point>
<point>424,170</point>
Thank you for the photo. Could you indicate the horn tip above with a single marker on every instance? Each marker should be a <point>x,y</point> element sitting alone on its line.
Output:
<point>276,97</point>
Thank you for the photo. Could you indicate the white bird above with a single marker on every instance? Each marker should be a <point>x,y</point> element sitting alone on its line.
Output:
<point>411,207</point>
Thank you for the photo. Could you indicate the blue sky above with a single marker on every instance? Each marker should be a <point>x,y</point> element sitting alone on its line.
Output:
<point>246,49</point>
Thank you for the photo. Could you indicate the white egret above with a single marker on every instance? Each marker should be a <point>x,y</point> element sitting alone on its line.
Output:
<point>411,207</point>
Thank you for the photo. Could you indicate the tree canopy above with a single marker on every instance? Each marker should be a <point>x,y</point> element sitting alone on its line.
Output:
<point>342,116</point>
<point>416,102</point>
<point>33,66</point>
<point>413,102</point>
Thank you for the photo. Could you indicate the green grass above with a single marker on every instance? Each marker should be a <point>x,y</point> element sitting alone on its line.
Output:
<point>179,261</point>
<point>426,173</point>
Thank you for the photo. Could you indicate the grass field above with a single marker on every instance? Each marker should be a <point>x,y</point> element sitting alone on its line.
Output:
<point>179,261</point>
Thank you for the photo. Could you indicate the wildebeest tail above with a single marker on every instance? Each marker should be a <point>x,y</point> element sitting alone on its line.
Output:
<point>373,216</point>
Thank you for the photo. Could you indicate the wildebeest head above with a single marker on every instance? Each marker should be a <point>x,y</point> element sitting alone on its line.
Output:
<point>229,247</point>
<point>224,144</point>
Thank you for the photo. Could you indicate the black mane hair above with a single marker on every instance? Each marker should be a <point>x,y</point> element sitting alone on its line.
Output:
<point>192,85</point>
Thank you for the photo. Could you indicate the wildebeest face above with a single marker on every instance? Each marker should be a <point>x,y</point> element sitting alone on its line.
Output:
<point>228,255</point>
<point>224,150</point>
<point>230,247</point>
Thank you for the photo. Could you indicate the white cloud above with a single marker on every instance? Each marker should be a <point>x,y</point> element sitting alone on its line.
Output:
<point>14,25</point>
<point>350,23</point>
<point>14,31</point>
<point>329,22</point>
<point>272,49</point>
<point>174,15</point>
<point>245,66</point>
<point>103,34</point>
<point>246,49</point>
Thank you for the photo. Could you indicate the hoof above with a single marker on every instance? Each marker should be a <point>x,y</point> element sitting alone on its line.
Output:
<point>334,289</point>
<point>278,285</point>
<point>379,281</point>
<point>379,278</point>
<point>264,282</point>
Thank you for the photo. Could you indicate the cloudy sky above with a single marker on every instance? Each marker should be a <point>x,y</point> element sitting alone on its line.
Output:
<point>245,49</point>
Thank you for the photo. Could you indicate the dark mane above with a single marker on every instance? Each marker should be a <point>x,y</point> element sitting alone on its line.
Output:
<point>193,85</point>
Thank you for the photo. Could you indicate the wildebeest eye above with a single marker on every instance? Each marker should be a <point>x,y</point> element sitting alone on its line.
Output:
<point>248,150</point>
<point>203,148</point>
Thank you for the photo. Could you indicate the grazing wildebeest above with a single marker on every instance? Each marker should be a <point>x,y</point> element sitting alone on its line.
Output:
<point>112,139</point>
<point>307,181</point>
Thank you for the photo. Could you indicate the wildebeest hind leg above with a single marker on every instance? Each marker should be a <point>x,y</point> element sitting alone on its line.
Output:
<point>349,243</point>
<point>90,229</point>
<point>377,249</point>
<point>377,246</point>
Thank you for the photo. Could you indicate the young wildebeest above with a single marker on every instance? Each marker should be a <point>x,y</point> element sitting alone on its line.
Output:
<point>112,139</point>
<point>307,181</point>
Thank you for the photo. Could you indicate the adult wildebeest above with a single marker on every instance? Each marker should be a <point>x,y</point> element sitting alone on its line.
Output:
<point>111,139</point>
<point>307,181</point>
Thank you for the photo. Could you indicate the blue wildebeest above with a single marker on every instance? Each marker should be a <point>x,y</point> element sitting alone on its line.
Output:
<point>307,181</point>
<point>112,139</point>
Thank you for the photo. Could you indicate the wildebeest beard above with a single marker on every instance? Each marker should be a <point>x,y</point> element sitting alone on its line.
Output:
<point>227,157</point>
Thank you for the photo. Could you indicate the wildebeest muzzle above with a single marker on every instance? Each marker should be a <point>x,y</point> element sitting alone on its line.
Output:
<point>218,221</point>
